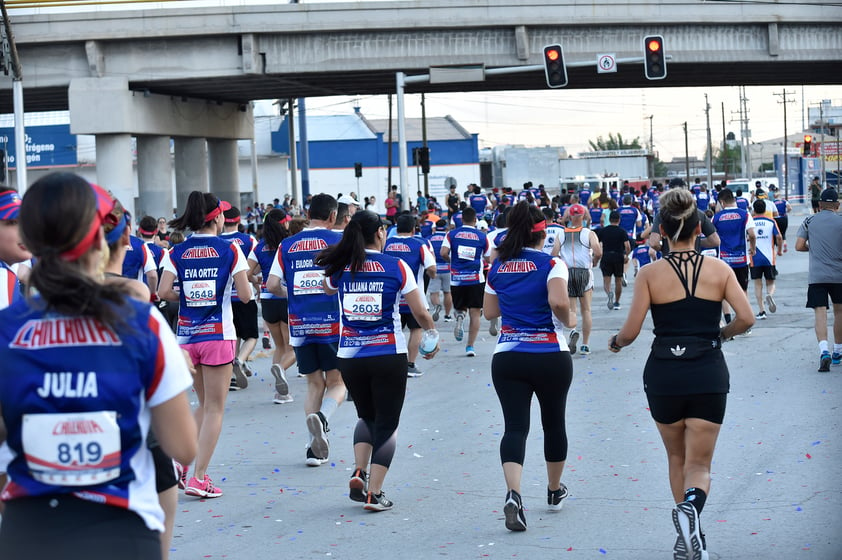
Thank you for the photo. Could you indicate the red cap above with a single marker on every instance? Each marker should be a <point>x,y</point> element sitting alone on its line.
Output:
<point>577,210</point>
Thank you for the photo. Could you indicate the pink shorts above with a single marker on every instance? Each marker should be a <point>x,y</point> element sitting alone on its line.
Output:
<point>211,353</point>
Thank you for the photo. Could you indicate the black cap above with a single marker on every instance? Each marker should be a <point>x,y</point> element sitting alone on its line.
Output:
<point>830,195</point>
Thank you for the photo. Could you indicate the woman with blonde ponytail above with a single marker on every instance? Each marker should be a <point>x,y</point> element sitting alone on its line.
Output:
<point>686,378</point>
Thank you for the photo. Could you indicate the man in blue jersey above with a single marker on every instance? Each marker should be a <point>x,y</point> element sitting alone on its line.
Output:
<point>415,252</point>
<point>441,282</point>
<point>737,240</point>
<point>819,235</point>
<point>313,320</point>
<point>763,261</point>
<point>478,201</point>
<point>465,247</point>
<point>139,263</point>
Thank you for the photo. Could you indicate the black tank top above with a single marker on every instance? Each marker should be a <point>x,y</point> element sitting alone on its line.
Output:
<point>690,316</point>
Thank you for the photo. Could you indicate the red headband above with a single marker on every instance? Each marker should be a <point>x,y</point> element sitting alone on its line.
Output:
<point>146,232</point>
<point>540,226</point>
<point>221,207</point>
<point>104,206</point>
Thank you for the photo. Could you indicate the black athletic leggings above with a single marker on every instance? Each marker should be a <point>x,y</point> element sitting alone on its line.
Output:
<point>516,376</point>
<point>378,387</point>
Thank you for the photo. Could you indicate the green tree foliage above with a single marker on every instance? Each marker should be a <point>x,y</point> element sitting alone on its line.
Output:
<point>614,143</point>
<point>728,159</point>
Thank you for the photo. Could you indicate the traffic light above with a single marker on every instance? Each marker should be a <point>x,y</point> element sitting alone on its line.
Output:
<point>358,170</point>
<point>554,68</point>
<point>424,159</point>
<point>654,59</point>
<point>807,146</point>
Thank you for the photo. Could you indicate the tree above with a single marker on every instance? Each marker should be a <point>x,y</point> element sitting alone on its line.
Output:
<point>614,143</point>
<point>728,159</point>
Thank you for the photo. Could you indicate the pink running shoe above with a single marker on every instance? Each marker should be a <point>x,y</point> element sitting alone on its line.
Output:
<point>181,473</point>
<point>202,489</point>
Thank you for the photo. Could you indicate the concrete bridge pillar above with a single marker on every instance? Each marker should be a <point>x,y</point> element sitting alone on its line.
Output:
<point>191,169</point>
<point>223,168</point>
<point>154,177</point>
<point>114,170</point>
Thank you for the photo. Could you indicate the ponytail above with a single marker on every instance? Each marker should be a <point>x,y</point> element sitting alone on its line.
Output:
<point>199,206</point>
<point>350,251</point>
<point>273,230</point>
<point>527,225</point>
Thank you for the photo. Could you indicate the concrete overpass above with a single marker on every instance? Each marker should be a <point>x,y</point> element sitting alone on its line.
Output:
<point>189,74</point>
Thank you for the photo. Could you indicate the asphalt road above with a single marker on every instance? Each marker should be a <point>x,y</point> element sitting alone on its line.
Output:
<point>776,490</point>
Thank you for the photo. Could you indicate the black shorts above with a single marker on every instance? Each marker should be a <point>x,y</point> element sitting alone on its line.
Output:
<point>408,320</point>
<point>742,276</point>
<point>48,527</point>
<point>815,205</point>
<point>783,223</point>
<point>669,409</point>
<point>612,266</point>
<point>316,357</point>
<point>164,469</point>
<point>467,297</point>
<point>245,319</point>
<point>767,272</point>
<point>818,294</point>
<point>275,310</point>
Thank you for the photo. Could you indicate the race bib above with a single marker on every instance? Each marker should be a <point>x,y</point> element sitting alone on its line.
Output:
<point>199,293</point>
<point>307,282</point>
<point>72,449</point>
<point>466,253</point>
<point>362,307</point>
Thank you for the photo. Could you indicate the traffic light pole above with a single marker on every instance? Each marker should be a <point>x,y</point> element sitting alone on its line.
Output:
<point>17,99</point>
<point>401,81</point>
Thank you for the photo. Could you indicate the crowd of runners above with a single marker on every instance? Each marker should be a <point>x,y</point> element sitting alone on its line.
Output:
<point>352,301</point>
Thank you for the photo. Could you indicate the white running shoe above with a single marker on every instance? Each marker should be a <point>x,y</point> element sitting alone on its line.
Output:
<point>688,545</point>
<point>458,330</point>
<point>282,399</point>
<point>574,339</point>
<point>610,301</point>
<point>281,385</point>
<point>240,378</point>
<point>770,303</point>
<point>317,424</point>
<point>436,312</point>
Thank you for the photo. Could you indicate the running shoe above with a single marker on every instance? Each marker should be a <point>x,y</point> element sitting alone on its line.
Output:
<point>616,306</point>
<point>555,498</point>
<point>770,303</point>
<point>357,486</point>
<point>448,319</point>
<point>377,502</point>
<point>824,361</point>
<point>282,399</point>
<point>181,474</point>
<point>239,375</point>
<point>413,371</point>
<point>470,352</point>
<point>233,386</point>
<point>317,424</point>
<point>312,460</point>
<point>247,369</point>
<point>624,282</point>
<point>760,316</point>
<point>458,331</point>
<point>281,385</point>
<point>515,518</point>
<point>584,349</point>
<point>202,489</point>
<point>436,311</point>
<point>266,344</point>
<point>688,545</point>
<point>610,301</point>
<point>574,338</point>
<point>836,358</point>
<point>492,326</point>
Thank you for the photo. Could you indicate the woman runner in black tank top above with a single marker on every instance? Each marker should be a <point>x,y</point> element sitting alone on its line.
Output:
<point>685,377</point>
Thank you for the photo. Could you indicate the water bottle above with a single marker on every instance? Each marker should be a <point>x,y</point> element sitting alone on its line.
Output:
<point>429,342</point>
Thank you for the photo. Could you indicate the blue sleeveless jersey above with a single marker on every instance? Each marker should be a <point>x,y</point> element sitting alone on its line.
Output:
<point>76,399</point>
<point>264,256</point>
<point>370,323</point>
<point>780,204</point>
<point>527,323</point>
<point>205,266</point>
<point>313,315</point>
<point>467,246</point>
<point>138,260</point>
<point>415,252</point>
<point>628,219</point>
<point>731,224</point>
<point>478,202</point>
<point>246,243</point>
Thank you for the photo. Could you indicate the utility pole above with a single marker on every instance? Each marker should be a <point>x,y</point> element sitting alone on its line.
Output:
<point>651,169</point>
<point>686,155</point>
<point>389,154</point>
<point>745,133</point>
<point>709,161</point>
<point>424,142</point>
<point>17,96</point>
<point>783,95</point>
<point>724,145</point>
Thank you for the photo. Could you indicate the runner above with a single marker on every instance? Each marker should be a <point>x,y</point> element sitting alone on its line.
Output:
<point>441,282</point>
<point>372,348</point>
<point>686,378</point>
<point>273,307</point>
<point>313,321</point>
<point>616,247</point>
<point>735,228</point>
<point>528,289</point>
<point>132,370</point>
<point>415,252</point>
<point>206,268</point>
<point>763,261</point>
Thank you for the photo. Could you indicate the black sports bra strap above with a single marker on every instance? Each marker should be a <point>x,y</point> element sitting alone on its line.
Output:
<point>681,262</point>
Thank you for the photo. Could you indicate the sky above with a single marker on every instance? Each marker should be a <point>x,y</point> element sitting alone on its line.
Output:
<point>570,118</point>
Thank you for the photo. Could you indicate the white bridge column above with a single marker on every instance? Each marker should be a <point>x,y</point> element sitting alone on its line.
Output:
<point>191,169</point>
<point>114,170</point>
<point>154,177</point>
<point>223,169</point>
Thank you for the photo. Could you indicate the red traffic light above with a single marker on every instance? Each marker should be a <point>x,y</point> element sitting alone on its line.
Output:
<point>554,69</point>
<point>654,45</point>
<point>808,138</point>
<point>654,59</point>
<point>553,55</point>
